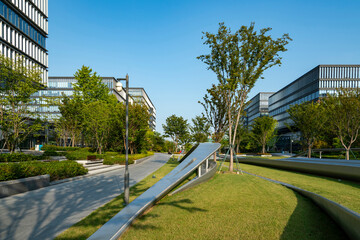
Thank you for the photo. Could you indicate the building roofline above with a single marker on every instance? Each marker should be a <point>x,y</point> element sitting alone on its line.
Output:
<point>145,93</point>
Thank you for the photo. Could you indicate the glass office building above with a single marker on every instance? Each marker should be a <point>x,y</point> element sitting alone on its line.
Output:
<point>316,83</point>
<point>257,106</point>
<point>23,32</point>
<point>140,96</point>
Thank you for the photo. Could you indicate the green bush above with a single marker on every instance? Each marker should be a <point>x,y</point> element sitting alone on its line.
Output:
<point>81,155</point>
<point>58,148</point>
<point>18,157</point>
<point>52,153</point>
<point>56,170</point>
<point>111,159</point>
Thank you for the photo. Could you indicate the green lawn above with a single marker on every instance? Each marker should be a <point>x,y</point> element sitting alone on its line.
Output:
<point>344,192</point>
<point>231,206</point>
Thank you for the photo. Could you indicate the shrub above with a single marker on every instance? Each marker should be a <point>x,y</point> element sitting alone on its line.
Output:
<point>18,157</point>
<point>58,148</point>
<point>110,159</point>
<point>81,155</point>
<point>56,170</point>
<point>52,153</point>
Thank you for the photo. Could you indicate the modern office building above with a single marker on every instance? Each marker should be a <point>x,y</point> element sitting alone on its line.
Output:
<point>57,86</point>
<point>140,96</point>
<point>23,32</point>
<point>314,84</point>
<point>257,106</point>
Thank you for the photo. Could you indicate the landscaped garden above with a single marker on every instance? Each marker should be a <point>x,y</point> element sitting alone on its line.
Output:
<point>229,206</point>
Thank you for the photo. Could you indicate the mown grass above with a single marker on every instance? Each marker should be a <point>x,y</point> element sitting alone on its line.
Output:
<point>90,224</point>
<point>231,206</point>
<point>346,193</point>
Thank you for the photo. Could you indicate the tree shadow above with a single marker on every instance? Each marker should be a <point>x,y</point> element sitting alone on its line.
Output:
<point>179,204</point>
<point>308,221</point>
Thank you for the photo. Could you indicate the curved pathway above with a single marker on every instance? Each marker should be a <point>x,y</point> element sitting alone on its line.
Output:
<point>46,212</point>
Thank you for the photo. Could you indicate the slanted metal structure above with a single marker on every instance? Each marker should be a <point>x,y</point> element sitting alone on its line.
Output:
<point>197,159</point>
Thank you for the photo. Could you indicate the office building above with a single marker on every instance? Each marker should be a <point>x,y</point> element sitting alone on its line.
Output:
<point>257,106</point>
<point>140,96</point>
<point>314,84</point>
<point>23,32</point>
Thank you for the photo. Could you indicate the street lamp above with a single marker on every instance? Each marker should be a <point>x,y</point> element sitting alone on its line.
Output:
<point>126,177</point>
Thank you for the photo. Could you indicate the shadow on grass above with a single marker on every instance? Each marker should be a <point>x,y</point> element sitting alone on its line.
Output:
<point>179,204</point>
<point>308,221</point>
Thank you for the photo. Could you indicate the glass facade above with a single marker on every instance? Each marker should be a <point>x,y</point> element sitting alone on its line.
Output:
<point>22,24</point>
<point>258,106</point>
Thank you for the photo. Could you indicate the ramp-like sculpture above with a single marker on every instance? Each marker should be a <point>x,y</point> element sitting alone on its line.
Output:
<point>197,159</point>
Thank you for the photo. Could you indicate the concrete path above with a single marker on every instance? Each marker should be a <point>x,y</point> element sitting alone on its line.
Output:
<point>46,212</point>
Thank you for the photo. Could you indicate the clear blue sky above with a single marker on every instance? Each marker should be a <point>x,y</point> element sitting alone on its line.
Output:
<point>157,42</point>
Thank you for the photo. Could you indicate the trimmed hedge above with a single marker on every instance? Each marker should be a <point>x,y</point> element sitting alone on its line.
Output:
<point>18,157</point>
<point>59,148</point>
<point>53,153</point>
<point>56,170</point>
<point>81,155</point>
<point>111,159</point>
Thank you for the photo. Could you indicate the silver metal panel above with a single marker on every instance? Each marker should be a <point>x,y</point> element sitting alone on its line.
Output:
<point>121,221</point>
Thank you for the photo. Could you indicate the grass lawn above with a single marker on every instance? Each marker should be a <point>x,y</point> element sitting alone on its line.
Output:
<point>87,226</point>
<point>231,206</point>
<point>344,192</point>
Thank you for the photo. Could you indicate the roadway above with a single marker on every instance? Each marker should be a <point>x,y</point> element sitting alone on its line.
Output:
<point>46,212</point>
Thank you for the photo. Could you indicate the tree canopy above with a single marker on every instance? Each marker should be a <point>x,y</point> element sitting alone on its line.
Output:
<point>263,130</point>
<point>176,128</point>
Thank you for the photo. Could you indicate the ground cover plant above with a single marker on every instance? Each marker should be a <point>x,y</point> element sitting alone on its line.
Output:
<point>111,158</point>
<point>56,170</point>
<point>232,206</point>
<point>18,157</point>
<point>346,193</point>
<point>87,226</point>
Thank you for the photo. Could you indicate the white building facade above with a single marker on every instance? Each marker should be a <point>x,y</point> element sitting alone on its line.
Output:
<point>23,32</point>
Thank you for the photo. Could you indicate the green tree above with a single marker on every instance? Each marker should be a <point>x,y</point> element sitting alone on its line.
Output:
<point>239,60</point>
<point>242,135</point>
<point>263,130</point>
<point>97,123</point>
<point>176,128</point>
<point>18,82</point>
<point>72,117</point>
<point>200,129</point>
<point>215,112</point>
<point>139,117</point>
<point>309,118</point>
<point>343,111</point>
<point>89,86</point>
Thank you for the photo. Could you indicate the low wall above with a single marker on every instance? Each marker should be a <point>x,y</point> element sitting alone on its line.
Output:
<point>330,170</point>
<point>13,187</point>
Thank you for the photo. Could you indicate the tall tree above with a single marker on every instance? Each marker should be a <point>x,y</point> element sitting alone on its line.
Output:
<point>89,86</point>
<point>309,118</point>
<point>176,128</point>
<point>18,82</point>
<point>215,112</point>
<point>239,60</point>
<point>200,129</point>
<point>263,130</point>
<point>343,111</point>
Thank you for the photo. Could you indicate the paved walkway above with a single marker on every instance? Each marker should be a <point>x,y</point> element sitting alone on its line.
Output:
<point>46,212</point>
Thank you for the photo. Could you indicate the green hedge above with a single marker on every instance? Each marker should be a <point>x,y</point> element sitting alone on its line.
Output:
<point>18,157</point>
<point>56,170</point>
<point>58,148</point>
<point>52,153</point>
<point>111,159</point>
<point>81,155</point>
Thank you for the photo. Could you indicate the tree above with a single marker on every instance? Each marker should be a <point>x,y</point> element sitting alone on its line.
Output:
<point>18,82</point>
<point>72,115</point>
<point>89,86</point>
<point>97,123</point>
<point>215,112</point>
<point>239,60</point>
<point>263,130</point>
<point>309,118</point>
<point>200,129</point>
<point>242,134</point>
<point>343,111</point>
<point>176,128</point>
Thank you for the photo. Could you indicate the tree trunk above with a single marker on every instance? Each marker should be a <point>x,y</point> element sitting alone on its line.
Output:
<point>237,148</point>
<point>231,165</point>
<point>309,151</point>
<point>347,154</point>
<point>263,149</point>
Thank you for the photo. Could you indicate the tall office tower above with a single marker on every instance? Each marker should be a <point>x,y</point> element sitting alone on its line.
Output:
<point>23,32</point>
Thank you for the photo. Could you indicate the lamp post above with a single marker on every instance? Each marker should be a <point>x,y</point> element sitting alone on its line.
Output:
<point>126,177</point>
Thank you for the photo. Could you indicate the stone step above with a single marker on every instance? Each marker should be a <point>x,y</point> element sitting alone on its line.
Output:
<point>98,167</point>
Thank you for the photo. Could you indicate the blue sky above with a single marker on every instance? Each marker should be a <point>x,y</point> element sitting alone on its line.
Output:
<point>157,42</point>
